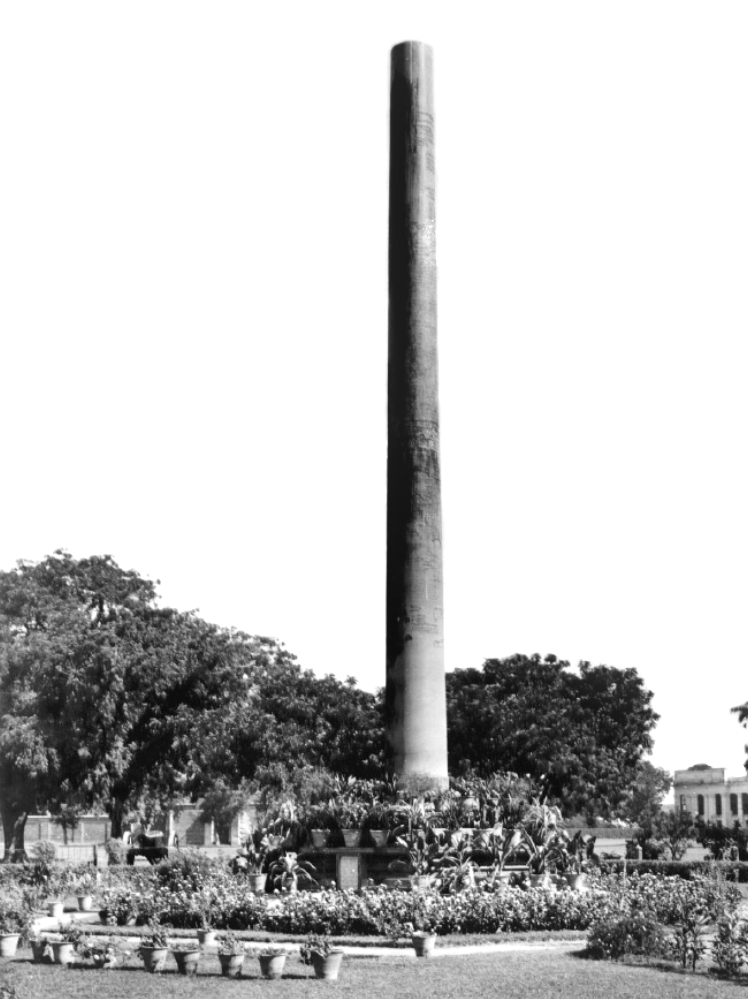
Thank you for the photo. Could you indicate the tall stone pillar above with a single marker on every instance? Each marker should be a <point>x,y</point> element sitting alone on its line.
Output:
<point>415,690</point>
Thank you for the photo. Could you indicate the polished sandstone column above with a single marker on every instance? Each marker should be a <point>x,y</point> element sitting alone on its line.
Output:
<point>415,689</point>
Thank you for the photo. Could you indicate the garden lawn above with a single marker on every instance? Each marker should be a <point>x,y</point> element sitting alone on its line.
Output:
<point>515,975</point>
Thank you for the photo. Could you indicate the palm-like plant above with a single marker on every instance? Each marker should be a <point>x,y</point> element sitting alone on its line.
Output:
<point>288,873</point>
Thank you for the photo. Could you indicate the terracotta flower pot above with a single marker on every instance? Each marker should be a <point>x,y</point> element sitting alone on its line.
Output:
<point>351,837</point>
<point>423,944</point>
<point>55,909</point>
<point>154,958</point>
<point>206,937</point>
<point>379,836</point>
<point>187,961</point>
<point>8,944</point>
<point>85,903</point>
<point>271,965</point>
<point>320,837</point>
<point>231,965</point>
<point>327,966</point>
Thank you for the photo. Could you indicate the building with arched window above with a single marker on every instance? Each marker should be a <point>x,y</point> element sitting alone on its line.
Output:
<point>707,794</point>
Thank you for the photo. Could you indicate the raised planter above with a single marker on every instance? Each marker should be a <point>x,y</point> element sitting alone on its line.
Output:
<point>271,965</point>
<point>9,944</point>
<point>327,966</point>
<point>424,944</point>
<point>231,965</point>
<point>187,961</point>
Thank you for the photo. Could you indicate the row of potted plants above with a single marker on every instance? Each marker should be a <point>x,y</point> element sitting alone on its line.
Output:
<point>72,944</point>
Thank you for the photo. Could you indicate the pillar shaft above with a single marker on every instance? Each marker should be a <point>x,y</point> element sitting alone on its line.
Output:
<point>416,699</point>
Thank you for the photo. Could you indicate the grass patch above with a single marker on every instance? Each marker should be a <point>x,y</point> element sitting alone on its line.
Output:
<point>521,975</point>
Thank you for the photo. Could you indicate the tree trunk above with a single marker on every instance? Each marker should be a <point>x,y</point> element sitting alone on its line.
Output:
<point>14,825</point>
<point>116,816</point>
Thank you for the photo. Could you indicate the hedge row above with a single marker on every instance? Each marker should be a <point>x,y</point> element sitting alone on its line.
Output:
<point>730,870</point>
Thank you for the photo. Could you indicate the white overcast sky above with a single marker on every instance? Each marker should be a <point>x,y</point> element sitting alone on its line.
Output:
<point>193,310</point>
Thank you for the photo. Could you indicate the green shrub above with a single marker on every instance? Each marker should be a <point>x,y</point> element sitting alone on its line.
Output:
<point>730,949</point>
<point>616,937</point>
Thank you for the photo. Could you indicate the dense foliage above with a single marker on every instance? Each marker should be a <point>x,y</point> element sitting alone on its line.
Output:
<point>581,734</point>
<point>110,701</point>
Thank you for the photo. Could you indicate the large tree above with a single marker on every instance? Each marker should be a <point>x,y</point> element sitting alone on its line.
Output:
<point>107,700</point>
<point>581,734</point>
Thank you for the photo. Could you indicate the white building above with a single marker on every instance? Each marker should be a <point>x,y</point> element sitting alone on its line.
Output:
<point>707,794</point>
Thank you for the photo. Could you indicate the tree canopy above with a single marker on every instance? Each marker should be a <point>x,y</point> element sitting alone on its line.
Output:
<point>107,699</point>
<point>580,734</point>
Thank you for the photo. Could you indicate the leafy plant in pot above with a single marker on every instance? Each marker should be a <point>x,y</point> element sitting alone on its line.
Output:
<point>187,955</point>
<point>272,961</point>
<point>154,947</point>
<point>287,873</point>
<point>320,821</point>
<point>252,860</point>
<point>103,952</point>
<point>231,955</point>
<point>422,928</point>
<point>350,817</point>
<point>579,854</point>
<point>323,957</point>
<point>498,845</point>
<point>12,926</point>
<point>84,891</point>
<point>423,857</point>
<point>378,823</point>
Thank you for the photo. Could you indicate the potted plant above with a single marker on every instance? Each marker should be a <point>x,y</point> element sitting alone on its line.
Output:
<point>206,934</point>
<point>288,872</point>
<point>319,821</point>
<point>231,955</point>
<point>378,823</point>
<point>154,947</point>
<point>252,860</point>
<point>11,929</point>
<point>351,813</point>
<point>272,961</point>
<point>498,845</point>
<point>84,891</point>
<point>101,951</point>
<point>457,868</point>
<point>580,853</point>
<point>423,857</point>
<point>422,929</point>
<point>65,943</point>
<point>323,957</point>
<point>187,955</point>
<point>41,952</point>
